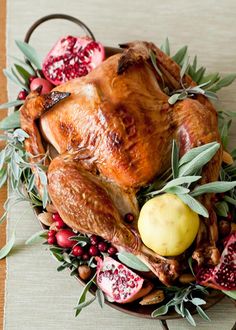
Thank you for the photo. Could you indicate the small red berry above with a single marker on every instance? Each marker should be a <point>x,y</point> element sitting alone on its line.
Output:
<point>129,217</point>
<point>77,251</point>
<point>229,216</point>
<point>51,233</point>
<point>93,251</point>
<point>22,95</point>
<point>58,221</point>
<point>112,250</point>
<point>94,240</point>
<point>52,240</point>
<point>85,256</point>
<point>102,246</point>
<point>31,78</point>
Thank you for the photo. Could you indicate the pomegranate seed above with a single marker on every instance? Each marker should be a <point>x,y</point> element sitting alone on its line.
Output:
<point>58,221</point>
<point>93,251</point>
<point>129,217</point>
<point>51,233</point>
<point>52,240</point>
<point>112,250</point>
<point>85,256</point>
<point>22,95</point>
<point>77,251</point>
<point>94,240</point>
<point>102,246</point>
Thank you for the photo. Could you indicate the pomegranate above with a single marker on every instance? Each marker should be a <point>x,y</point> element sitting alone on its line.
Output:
<point>223,275</point>
<point>72,57</point>
<point>63,238</point>
<point>118,282</point>
<point>46,85</point>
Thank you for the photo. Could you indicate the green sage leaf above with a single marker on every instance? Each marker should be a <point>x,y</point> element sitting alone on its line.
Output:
<point>199,161</point>
<point>83,296</point>
<point>10,122</point>
<point>175,159</point>
<point>132,261</point>
<point>231,294</point>
<point>23,73</point>
<point>100,297</point>
<point>13,78</point>
<point>194,205</point>
<point>165,47</point>
<point>184,66</point>
<point>222,209</point>
<point>189,317</point>
<point>29,53</point>
<point>179,56</point>
<point>230,200</point>
<point>226,81</point>
<point>198,301</point>
<point>201,313</point>
<point>36,237</point>
<point>24,65</point>
<point>213,187</point>
<point>11,104</point>
<point>160,311</point>
<point>178,190</point>
<point>7,248</point>
<point>194,152</point>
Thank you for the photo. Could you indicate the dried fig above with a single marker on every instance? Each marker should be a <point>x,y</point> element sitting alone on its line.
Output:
<point>152,298</point>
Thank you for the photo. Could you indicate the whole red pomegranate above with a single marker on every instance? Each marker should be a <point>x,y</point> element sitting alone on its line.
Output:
<point>63,238</point>
<point>223,275</point>
<point>118,282</point>
<point>72,57</point>
<point>46,85</point>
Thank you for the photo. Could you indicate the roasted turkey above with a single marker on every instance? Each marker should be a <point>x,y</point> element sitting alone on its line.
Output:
<point>113,130</point>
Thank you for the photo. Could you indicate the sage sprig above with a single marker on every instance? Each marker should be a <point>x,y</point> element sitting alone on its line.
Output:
<point>207,84</point>
<point>180,298</point>
<point>184,170</point>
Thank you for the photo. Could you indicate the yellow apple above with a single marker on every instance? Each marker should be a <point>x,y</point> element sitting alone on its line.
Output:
<point>167,225</point>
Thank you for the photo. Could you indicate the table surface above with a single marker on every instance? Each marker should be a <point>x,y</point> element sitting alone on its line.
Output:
<point>36,296</point>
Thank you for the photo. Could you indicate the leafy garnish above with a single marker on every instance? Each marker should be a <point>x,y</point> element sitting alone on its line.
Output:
<point>180,298</point>
<point>132,261</point>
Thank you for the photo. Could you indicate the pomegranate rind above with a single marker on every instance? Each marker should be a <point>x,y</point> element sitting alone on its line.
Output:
<point>223,275</point>
<point>72,57</point>
<point>118,282</point>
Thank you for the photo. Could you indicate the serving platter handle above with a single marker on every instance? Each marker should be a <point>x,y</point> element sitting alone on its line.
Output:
<point>72,19</point>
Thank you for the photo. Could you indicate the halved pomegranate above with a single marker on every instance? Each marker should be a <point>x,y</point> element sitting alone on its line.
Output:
<point>119,283</point>
<point>223,275</point>
<point>72,57</point>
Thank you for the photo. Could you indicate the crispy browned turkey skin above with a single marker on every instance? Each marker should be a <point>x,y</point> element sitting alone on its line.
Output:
<point>113,130</point>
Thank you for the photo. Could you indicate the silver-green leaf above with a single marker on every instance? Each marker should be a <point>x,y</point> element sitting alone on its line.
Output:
<point>36,237</point>
<point>132,261</point>
<point>7,248</point>
<point>29,53</point>
<point>213,187</point>
<point>194,205</point>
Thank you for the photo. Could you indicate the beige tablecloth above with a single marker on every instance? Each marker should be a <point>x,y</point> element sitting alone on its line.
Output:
<point>37,297</point>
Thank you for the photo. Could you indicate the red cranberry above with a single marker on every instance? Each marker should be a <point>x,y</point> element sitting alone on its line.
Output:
<point>52,240</point>
<point>229,217</point>
<point>129,217</point>
<point>31,78</point>
<point>112,250</point>
<point>22,95</point>
<point>77,251</point>
<point>94,240</point>
<point>51,233</point>
<point>58,221</point>
<point>85,256</point>
<point>93,251</point>
<point>102,246</point>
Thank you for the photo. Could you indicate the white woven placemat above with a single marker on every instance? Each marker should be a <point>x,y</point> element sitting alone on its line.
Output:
<point>37,297</point>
